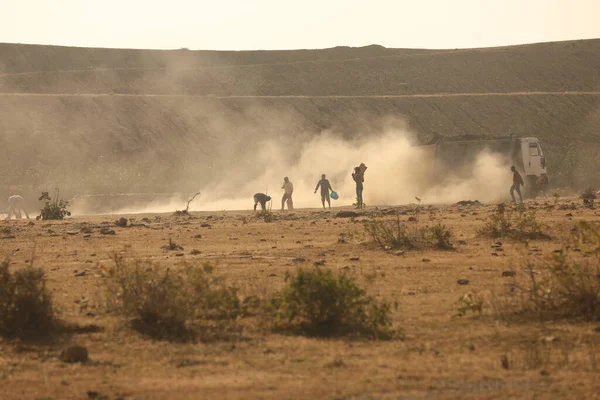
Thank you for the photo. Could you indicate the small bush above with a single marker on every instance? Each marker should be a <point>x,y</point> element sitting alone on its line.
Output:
<point>172,246</point>
<point>440,236</point>
<point>566,286</point>
<point>322,303</point>
<point>588,196</point>
<point>395,234</point>
<point>53,209</point>
<point>391,234</point>
<point>519,225</point>
<point>25,302</point>
<point>169,304</point>
<point>471,302</point>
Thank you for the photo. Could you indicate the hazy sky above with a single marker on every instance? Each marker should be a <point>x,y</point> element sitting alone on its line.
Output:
<point>272,24</point>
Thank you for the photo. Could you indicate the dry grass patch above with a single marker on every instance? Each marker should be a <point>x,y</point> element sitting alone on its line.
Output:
<point>25,303</point>
<point>176,304</point>
<point>396,234</point>
<point>567,286</point>
<point>514,223</point>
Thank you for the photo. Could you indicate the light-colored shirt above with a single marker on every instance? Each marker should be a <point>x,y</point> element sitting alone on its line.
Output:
<point>288,187</point>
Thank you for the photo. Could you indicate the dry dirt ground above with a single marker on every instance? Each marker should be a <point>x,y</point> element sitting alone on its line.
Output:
<point>441,356</point>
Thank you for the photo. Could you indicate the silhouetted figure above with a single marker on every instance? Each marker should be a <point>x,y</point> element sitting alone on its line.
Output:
<point>288,189</point>
<point>359,177</point>
<point>262,199</point>
<point>516,186</point>
<point>325,188</point>
<point>16,205</point>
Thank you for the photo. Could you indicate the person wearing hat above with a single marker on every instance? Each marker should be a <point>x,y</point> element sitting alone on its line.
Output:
<point>288,189</point>
<point>325,188</point>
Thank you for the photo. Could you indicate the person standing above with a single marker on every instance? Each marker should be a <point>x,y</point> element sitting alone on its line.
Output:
<point>288,189</point>
<point>359,177</point>
<point>325,188</point>
<point>16,205</point>
<point>516,186</point>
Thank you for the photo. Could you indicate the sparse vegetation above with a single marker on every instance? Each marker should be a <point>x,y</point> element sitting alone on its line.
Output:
<point>56,208</point>
<point>267,216</point>
<point>518,224</point>
<point>471,303</point>
<point>396,234</point>
<point>322,303</point>
<point>25,302</point>
<point>172,246</point>
<point>186,212</point>
<point>567,285</point>
<point>170,304</point>
<point>589,196</point>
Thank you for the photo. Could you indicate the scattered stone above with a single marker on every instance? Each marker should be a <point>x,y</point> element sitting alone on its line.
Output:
<point>468,203</point>
<point>426,260</point>
<point>272,275</point>
<point>179,255</point>
<point>597,329</point>
<point>319,263</point>
<point>399,253</point>
<point>74,354</point>
<point>195,252</point>
<point>206,226</point>
<point>495,254</point>
<point>508,273</point>
<point>463,281</point>
<point>462,242</point>
<point>93,395</point>
<point>549,339</point>
<point>504,361</point>
<point>347,214</point>
<point>354,258</point>
<point>121,222</point>
<point>82,273</point>
<point>299,259</point>
<point>72,233</point>
<point>107,231</point>
<point>336,364</point>
<point>412,219</point>
<point>544,372</point>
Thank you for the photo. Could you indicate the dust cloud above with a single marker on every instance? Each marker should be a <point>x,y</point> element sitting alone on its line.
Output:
<point>398,171</point>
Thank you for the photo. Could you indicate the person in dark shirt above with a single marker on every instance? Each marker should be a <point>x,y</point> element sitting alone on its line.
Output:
<point>325,188</point>
<point>516,186</point>
<point>261,198</point>
<point>359,177</point>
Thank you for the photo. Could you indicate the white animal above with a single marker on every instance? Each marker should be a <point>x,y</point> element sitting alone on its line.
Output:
<point>16,205</point>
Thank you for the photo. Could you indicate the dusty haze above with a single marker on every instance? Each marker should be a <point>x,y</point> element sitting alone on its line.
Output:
<point>398,171</point>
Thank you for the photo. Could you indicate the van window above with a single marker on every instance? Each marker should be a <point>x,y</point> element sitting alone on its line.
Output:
<point>534,149</point>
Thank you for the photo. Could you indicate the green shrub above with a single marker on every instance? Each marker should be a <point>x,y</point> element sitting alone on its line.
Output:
<point>517,224</point>
<point>25,302</point>
<point>53,209</point>
<point>169,303</point>
<point>322,303</point>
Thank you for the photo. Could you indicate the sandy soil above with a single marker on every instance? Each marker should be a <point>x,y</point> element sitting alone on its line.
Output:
<point>442,356</point>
